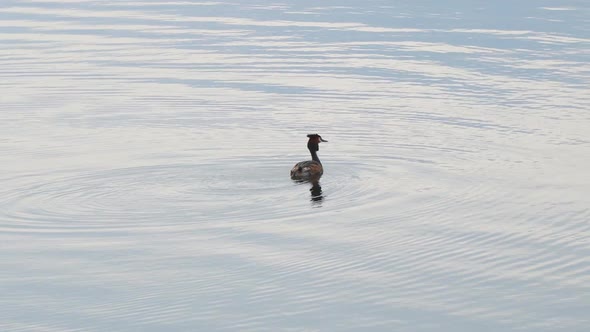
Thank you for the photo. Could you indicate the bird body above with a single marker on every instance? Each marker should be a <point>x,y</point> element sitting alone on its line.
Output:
<point>309,169</point>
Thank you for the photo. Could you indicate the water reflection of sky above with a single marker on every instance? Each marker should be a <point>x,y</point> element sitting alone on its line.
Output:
<point>149,145</point>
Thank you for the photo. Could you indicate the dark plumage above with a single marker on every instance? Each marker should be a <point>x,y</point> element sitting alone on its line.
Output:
<point>309,169</point>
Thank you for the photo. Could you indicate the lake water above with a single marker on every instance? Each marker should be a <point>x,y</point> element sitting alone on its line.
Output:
<point>146,149</point>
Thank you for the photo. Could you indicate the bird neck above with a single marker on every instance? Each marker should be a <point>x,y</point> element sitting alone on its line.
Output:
<point>314,156</point>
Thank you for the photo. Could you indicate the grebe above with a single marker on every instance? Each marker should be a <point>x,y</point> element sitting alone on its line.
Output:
<point>310,168</point>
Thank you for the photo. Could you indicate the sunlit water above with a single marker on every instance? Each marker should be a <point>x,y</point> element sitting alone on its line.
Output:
<point>146,149</point>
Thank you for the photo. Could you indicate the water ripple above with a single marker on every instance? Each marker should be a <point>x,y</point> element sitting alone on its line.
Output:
<point>145,196</point>
<point>147,147</point>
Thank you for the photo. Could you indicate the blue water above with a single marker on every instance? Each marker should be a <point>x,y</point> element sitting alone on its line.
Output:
<point>146,149</point>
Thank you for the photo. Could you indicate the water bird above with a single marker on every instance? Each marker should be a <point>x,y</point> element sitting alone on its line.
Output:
<point>309,169</point>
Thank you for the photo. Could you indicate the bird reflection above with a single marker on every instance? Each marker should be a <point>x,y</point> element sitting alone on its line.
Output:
<point>316,190</point>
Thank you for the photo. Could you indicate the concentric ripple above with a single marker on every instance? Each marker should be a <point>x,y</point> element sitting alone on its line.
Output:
<point>172,194</point>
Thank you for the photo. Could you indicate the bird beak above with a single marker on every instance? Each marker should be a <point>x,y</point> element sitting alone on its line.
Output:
<point>323,140</point>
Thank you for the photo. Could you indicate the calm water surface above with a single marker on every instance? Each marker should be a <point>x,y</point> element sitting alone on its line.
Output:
<point>146,147</point>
